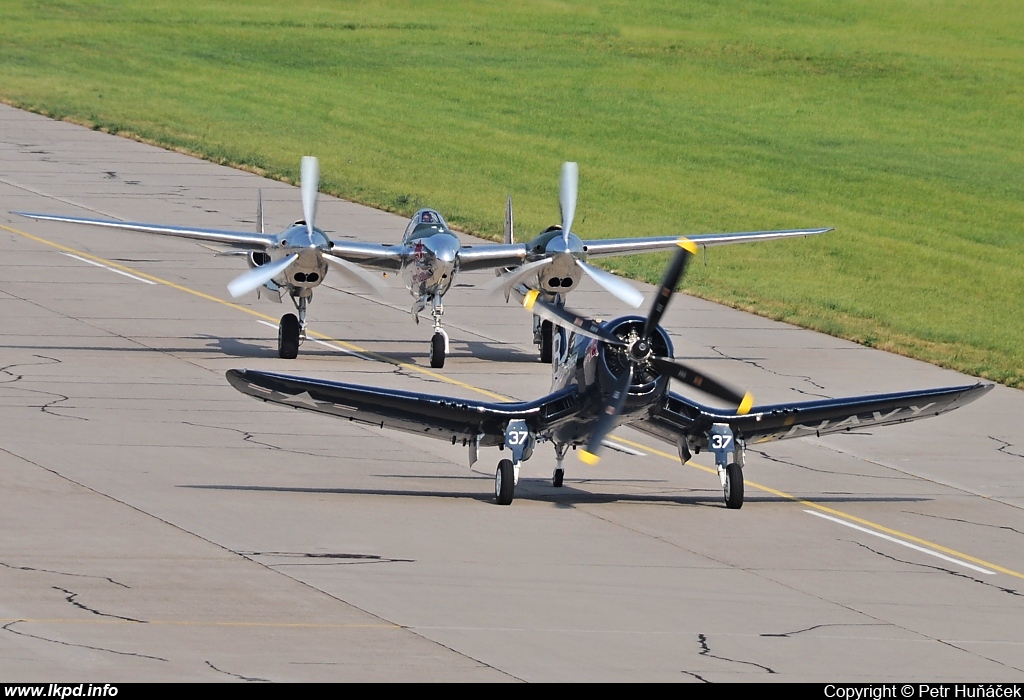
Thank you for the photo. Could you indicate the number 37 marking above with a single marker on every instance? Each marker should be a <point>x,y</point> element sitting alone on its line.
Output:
<point>720,442</point>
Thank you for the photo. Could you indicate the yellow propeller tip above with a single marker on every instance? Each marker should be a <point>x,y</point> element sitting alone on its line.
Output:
<point>589,458</point>
<point>688,245</point>
<point>746,404</point>
<point>530,299</point>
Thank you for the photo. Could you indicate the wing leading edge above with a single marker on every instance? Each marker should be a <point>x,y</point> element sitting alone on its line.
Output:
<point>237,239</point>
<point>431,415</point>
<point>682,418</point>
<point>627,246</point>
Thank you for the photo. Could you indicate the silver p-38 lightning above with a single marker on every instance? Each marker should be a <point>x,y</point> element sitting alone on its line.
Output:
<point>605,375</point>
<point>429,257</point>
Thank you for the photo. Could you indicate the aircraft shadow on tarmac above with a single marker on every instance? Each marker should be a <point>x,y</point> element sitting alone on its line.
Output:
<point>541,490</point>
<point>471,349</point>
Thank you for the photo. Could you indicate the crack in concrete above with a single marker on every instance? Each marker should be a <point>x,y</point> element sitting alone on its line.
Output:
<point>235,675</point>
<point>251,439</point>
<point>70,597</point>
<point>697,676</point>
<point>8,628</point>
<point>1006,445</point>
<point>63,573</point>
<point>966,522</point>
<point>952,572</point>
<point>805,378</point>
<point>705,650</point>
<point>779,460</point>
<point>15,378</point>
<point>975,653</point>
<point>828,624</point>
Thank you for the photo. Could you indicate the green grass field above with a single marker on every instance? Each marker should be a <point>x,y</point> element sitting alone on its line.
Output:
<point>899,122</point>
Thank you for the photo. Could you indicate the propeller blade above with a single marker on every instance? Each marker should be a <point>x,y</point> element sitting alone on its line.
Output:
<point>356,273</point>
<point>687,375</point>
<point>258,276</point>
<point>614,284</point>
<point>668,284</point>
<point>509,279</point>
<point>567,191</point>
<point>310,182</point>
<point>606,421</point>
<point>567,319</point>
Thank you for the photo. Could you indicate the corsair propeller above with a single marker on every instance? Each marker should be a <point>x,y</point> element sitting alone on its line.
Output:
<point>637,352</point>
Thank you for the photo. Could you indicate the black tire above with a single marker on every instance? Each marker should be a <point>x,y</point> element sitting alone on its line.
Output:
<point>545,342</point>
<point>557,479</point>
<point>733,487</point>
<point>504,483</point>
<point>288,337</point>
<point>437,351</point>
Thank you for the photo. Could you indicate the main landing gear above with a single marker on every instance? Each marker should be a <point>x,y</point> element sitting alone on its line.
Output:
<point>543,331</point>
<point>729,460</point>
<point>292,330</point>
<point>505,479</point>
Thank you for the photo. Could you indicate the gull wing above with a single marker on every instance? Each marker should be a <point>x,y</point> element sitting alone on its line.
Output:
<point>379,255</point>
<point>628,246</point>
<point>431,415</point>
<point>236,239</point>
<point>680,417</point>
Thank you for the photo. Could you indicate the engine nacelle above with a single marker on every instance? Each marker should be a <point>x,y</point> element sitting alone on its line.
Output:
<point>256,258</point>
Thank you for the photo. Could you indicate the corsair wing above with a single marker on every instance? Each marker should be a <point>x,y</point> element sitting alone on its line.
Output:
<point>431,415</point>
<point>680,417</point>
<point>235,239</point>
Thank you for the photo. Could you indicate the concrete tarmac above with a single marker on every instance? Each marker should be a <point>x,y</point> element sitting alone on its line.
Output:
<point>157,525</point>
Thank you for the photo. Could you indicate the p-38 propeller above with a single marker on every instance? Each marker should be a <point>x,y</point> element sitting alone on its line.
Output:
<point>605,375</point>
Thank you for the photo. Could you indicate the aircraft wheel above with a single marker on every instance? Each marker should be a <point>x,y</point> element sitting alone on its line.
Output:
<point>556,480</point>
<point>288,337</point>
<point>437,351</point>
<point>504,483</point>
<point>733,486</point>
<point>545,342</point>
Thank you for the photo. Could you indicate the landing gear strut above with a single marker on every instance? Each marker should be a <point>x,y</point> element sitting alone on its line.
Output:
<point>543,331</point>
<point>559,474</point>
<point>439,342</point>
<point>292,331</point>
<point>729,460</point>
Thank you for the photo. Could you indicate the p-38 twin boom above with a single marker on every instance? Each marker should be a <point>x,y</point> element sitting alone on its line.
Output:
<point>605,375</point>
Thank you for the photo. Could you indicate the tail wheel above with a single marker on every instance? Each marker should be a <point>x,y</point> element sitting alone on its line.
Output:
<point>504,483</point>
<point>733,486</point>
<point>437,351</point>
<point>288,337</point>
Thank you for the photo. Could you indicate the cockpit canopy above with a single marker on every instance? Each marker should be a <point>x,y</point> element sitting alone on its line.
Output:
<point>425,219</point>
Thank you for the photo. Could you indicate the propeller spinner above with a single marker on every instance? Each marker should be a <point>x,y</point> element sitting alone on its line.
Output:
<point>639,351</point>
